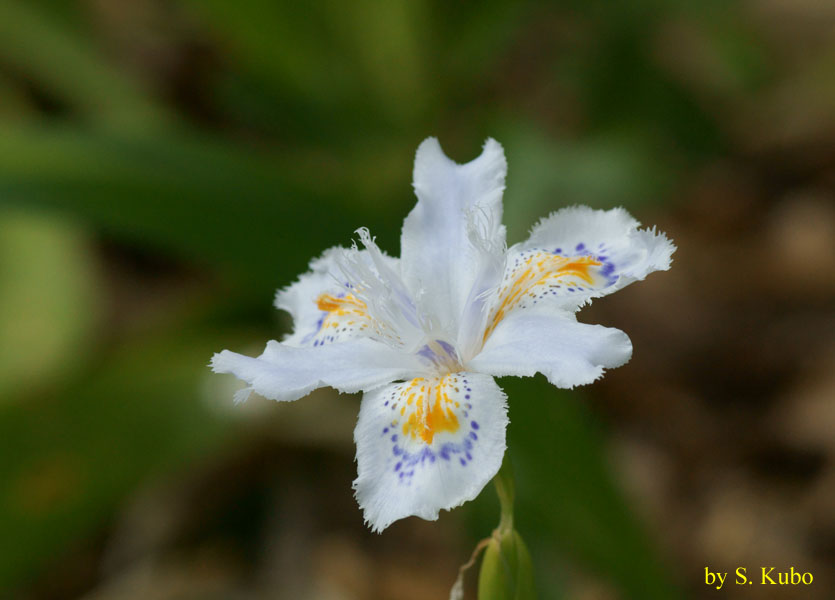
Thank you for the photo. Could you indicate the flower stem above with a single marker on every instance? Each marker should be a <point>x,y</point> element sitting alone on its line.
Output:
<point>506,569</point>
<point>506,492</point>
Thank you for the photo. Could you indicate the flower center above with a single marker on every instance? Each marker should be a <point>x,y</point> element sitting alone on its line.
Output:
<point>441,354</point>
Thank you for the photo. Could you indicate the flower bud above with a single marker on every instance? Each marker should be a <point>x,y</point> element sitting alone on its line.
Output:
<point>506,571</point>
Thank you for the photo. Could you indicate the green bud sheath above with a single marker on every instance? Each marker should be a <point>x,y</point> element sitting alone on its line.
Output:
<point>506,571</point>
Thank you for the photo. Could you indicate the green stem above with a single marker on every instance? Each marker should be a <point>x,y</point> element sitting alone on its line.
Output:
<point>506,492</point>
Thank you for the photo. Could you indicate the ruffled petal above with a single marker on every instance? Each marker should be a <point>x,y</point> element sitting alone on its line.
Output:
<point>611,238</point>
<point>553,343</point>
<point>285,372</point>
<point>427,444</point>
<point>393,315</point>
<point>453,239</point>
<point>322,304</point>
<point>574,255</point>
<point>326,303</point>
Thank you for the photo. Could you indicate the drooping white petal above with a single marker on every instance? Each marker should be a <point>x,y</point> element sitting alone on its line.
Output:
<point>285,372</point>
<point>453,237</point>
<point>427,444</point>
<point>553,343</point>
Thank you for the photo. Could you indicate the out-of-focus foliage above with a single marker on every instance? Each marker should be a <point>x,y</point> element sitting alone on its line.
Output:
<point>47,291</point>
<point>226,143</point>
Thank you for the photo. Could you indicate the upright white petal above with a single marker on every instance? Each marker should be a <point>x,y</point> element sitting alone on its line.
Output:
<point>457,206</point>
<point>553,343</point>
<point>427,444</point>
<point>285,372</point>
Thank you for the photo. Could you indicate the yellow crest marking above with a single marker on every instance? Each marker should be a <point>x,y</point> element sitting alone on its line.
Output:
<point>430,408</point>
<point>540,268</point>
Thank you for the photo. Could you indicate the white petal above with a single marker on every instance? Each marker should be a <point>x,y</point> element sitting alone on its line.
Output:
<point>392,312</point>
<point>453,230</point>
<point>574,255</point>
<point>612,237</point>
<point>427,444</point>
<point>324,303</point>
<point>285,372</point>
<point>553,343</point>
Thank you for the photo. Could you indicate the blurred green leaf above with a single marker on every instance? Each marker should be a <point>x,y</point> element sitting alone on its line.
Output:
<point>547,173</point>
<point>48,301</point>
<point>288,45</point>
<point>565,493</point>
<point>383,39</point>
<point>467,44</point>
<point>324,71</point>
<point>210,202</point>
<point>66,461</point>
<point>68,66</point>
<point>737,45</point>
<point>13,101</point>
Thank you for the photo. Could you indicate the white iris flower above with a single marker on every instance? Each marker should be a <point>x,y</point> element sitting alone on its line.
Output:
<point>424,335</point>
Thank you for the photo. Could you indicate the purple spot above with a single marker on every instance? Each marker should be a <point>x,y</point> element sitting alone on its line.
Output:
<point>558,250</point>
<point>386,430</point>
<point>570,289</point>
<point>474,425</point>
<point>463,462</point>
<point>467,397</point>
<point>474,435</point>
<point>397,450</point>
<point>394,438</point>
<point>397,466</point>
<point>386,403</point>
<point>469,457</point>
<point>581,246</point>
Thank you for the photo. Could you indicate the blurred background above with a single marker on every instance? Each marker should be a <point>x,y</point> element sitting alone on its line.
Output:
<point>166,165</point>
